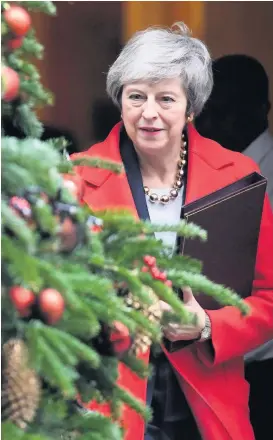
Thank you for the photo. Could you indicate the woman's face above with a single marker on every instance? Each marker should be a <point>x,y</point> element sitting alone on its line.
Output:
<point>154,114</point>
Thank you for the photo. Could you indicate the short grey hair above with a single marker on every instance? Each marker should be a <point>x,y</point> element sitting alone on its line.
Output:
<point>163,53</point>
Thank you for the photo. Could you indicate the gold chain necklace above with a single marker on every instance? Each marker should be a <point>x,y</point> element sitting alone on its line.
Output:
<point>178,183</point>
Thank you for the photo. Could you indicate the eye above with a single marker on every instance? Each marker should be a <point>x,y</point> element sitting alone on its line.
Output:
<point>167,99</point>
<point>136,96</point>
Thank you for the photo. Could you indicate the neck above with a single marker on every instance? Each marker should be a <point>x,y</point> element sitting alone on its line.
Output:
<point>159,171</point>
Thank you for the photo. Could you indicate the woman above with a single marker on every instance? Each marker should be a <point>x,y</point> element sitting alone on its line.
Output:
<point>161,81</point>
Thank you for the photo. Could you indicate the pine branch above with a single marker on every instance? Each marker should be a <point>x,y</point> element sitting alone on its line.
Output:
<point>10,431</point>
<point>21,266</point>
<point>95,423</point>
<point>46,7</point>
<point>137,365</point>
<point>52,369</point>
<point>56,279</point>
<point>179,262</point>
<point>199,283</point>
<point>31,46</point>
<point>79,349</point>
<point>98,163</point>
<point>18,227</point>
<point>134,403</point>
<point>166,294</point>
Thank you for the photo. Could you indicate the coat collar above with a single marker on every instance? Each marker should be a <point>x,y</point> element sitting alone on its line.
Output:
<point>205,159</point>
<point>206,149</point>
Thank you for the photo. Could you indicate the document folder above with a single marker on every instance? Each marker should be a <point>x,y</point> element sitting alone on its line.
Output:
<point>232,217</point>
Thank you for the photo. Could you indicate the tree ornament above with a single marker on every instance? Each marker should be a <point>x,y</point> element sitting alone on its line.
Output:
<point>142,339</point>
<point>74,184</point>
<point>23,300</point>
<point>145,269</point>
<point>52,305</point>
<point>162,276</point>
<point>149,260</point>
<point>15,43</point>
<point>95,223</point>
<point>155,272</point>
<point>10,84</point>
<point>18,20</point>
<point>21,387</point>
<point>69,234</point>
<point>21,206</point>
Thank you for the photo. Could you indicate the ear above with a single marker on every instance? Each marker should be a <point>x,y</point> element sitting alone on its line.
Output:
<point>190,118</point>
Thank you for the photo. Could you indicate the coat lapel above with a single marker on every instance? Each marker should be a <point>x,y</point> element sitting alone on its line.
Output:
<point>208,166</point>
<point>208,170</point>
<point>103,188</point>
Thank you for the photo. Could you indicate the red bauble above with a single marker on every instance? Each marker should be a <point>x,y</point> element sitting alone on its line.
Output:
<point>51,305</point>
<point>149,260</point>
<point>23,299</point>
<point>18,20</point>
<point>15,43</point>
<point>11,83</point>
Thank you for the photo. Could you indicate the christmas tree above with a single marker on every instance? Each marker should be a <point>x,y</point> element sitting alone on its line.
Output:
<point>80,290</point>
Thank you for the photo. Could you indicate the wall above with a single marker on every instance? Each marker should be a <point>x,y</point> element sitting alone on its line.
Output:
<point>241,27</point>
<point>80,45</point>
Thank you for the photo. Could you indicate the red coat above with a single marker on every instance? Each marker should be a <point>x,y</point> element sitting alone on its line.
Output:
<point>213,383</point>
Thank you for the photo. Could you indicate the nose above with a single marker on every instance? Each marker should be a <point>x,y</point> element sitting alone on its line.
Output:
<point>149,109</point>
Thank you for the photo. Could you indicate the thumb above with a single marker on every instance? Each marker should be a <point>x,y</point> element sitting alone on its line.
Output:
<point>188,296</point>
<point>164,306</point>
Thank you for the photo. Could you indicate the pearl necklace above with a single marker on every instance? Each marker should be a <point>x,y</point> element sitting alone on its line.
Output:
<point>178,183</point>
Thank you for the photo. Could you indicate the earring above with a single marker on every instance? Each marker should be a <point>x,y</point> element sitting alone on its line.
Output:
<point>121,117</point>
<point>189,119</point>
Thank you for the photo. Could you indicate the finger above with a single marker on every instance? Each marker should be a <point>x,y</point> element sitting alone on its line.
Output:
<point>172,327</point>
<point>187,295</point>
<point>170,336</point>
<point>164,306</point>
<point>173,337</point>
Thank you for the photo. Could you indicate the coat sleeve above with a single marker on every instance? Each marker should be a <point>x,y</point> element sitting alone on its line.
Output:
<point>234,335</point>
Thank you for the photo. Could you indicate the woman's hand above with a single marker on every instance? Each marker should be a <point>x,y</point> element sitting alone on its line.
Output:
<point>177,332</point>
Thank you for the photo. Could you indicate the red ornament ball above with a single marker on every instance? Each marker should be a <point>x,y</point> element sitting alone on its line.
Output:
<point>18,20</point>
<point>10,84</point>
<point>15,43</point>
<point>23,299</point>
<point>51,304</point>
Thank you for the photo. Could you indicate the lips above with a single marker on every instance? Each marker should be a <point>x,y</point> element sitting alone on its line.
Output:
<point>150,129</point>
